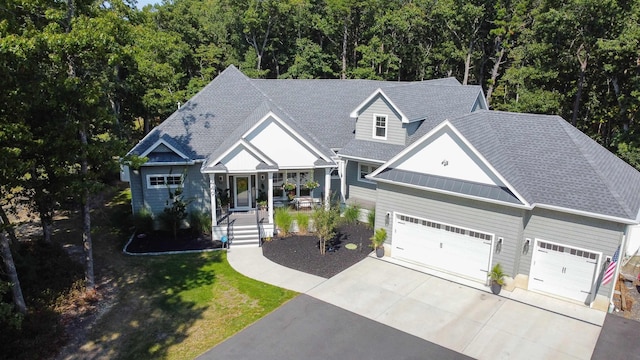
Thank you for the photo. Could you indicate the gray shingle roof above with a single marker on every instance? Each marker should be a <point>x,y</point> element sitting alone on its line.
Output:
<point>549,162</point>
<point>452,185</point>
<point>372,150</point>
<point>420,101</point>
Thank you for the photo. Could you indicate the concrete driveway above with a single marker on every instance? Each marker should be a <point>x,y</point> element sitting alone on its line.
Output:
<point>469,321</point>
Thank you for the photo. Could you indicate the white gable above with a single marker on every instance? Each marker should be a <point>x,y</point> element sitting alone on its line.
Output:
<point>281,145</point>
<point>240,159</point>
<point>445,154</point>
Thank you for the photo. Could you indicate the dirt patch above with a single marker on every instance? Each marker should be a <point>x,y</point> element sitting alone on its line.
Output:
<point>630,272</point>
<point>302,252</point>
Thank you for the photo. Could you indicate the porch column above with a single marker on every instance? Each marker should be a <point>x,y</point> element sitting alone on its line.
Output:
<point>212,195</point>
<point>342,172</point>
<point>327,188</point>
<point>270,196</point>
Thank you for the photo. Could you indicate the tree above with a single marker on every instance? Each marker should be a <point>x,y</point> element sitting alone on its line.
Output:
<point>325,221</point>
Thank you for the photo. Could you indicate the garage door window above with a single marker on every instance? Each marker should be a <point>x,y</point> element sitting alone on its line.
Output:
<point>444,227</point>
<point>563,249</point>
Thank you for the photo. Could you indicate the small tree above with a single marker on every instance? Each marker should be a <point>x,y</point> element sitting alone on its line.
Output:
<point>325,222</point>
<point>175,211</point>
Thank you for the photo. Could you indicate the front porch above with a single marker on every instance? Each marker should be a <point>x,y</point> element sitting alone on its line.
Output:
<point>243,228</point>
<point>245,203</point>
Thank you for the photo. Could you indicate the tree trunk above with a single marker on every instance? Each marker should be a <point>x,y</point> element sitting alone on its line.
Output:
<point>467,64</point>
<point>494,75</point>
<point>583,68</point>
<point>8,228</point>
<point>16,290</point>
<point>343,73</point>
<point>86,215</point>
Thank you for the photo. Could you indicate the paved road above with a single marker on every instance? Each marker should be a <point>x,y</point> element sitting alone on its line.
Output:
<point>619,339</point>
<point>307,328</point>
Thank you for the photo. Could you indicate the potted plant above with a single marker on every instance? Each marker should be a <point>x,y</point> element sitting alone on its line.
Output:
<point>290,190</point>
<point>311,184</point>
<point>377,241</point>
<point>496,278</point>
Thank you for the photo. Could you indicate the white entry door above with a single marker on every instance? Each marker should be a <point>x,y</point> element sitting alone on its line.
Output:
<point>563,271</point>
<point>444,247</point>
<point>242,192</point>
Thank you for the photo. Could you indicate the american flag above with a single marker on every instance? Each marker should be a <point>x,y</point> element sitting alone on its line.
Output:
<point>611,269</point>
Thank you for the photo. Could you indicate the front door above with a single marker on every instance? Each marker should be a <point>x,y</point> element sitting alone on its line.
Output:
<point>242,192</point>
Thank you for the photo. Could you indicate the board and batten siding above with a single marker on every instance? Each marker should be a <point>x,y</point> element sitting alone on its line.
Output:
<point>196,189</point>
<point>501,221</point>
<point>576,231</point>
<point>396,133</point>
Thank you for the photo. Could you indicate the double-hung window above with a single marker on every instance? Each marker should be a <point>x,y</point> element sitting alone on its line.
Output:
<point>380,126</point>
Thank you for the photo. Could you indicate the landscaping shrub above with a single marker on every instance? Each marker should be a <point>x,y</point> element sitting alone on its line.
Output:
<point>283,220</point>
<point>200,222</point>
<point>143,221</point>
<point>351,214</point>
<point>303,222</point>
<point>371,219</point>
<point>325,222</point>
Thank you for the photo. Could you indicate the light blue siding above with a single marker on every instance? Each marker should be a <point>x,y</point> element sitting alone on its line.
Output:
<point>358,191</point>
<point>577,231</point>
<point>396,134</point>
<point>501,221</point>
<point>196,188</point>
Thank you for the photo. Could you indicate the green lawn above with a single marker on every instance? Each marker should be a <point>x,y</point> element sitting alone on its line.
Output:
<point>182,306</point>
<point>168,307</point>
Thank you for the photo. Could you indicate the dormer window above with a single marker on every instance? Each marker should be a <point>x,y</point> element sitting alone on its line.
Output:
<point>379,126</point>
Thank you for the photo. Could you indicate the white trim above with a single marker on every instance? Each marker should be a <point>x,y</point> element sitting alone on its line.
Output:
<point>594,277</point>
<point>381,162</point>
<point>448,124</point>
<point>492,246</point>
<point>247,146</point>
<point>375,126</point>
<point>161,141</point>
<point>298,137</point>
<point>235,191</point>
<point>164,185</point>
<point>358,110</point>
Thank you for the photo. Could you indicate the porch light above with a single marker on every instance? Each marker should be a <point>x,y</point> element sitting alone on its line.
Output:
<point>525,247</point>
<point>445,162</point>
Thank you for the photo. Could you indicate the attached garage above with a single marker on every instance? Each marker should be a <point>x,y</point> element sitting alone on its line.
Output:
<point>445,247</point>
<point>563,271</point>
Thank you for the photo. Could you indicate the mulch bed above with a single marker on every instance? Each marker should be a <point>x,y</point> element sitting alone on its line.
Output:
<point>302,252</point>
<point>299,252</point>
<point>162,241</point>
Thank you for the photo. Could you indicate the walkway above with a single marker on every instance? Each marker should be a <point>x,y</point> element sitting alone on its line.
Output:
<point>470,321</point>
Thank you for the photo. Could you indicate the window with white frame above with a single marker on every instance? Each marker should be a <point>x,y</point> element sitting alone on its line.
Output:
<point>380,126</point>
<point>364,170</point>
<point>163,180</point>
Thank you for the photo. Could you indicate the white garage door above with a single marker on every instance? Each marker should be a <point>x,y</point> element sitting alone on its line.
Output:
<point>563,271</point>
<point>444,247</point>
